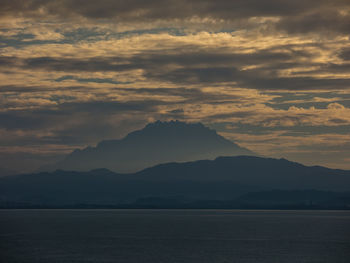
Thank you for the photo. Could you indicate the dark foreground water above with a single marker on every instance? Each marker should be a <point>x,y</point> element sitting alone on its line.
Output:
<point>174,236</point>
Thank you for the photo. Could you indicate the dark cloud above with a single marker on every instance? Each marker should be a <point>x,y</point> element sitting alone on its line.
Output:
<point>110,107</point>
<point>324,20</point>
<point>151,9</point>
<point>177,112</point>
<point>236,114</point>
<point>11,121</point>
<point>345,54</point>
<point>8,61</point>
<point>151,61</point>
<point>294,83</point>
<point>16,88</point>
<point>87,120</point>
<point>30,89</point>
<point>295,15</point>
<point>155,9</point>
<point>198,67</point>
<point>296,130</point>
<point>214,68</point>
<point>71,64</point>
<point>189,95</point>
<point>93,80</point>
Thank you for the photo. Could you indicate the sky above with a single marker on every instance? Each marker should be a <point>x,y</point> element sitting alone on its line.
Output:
<point>271,75</point>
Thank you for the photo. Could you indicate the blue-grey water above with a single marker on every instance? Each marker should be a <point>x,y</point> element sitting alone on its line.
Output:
<point>174,236</point>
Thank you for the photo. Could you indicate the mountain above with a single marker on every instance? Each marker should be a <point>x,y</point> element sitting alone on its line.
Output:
<point>158,142</point>
<point>265,173</point>
<point>224,179</point>
<point>4,171</point>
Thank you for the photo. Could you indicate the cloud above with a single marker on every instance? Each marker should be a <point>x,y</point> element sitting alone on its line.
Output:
<point>262,69</point>
<point>302,145</point>
<point>335,106</point>
<point>345,54</point>
<point>326,20</point>
<point>293,16</point>
<point>76,72</point>
<point>94,80</point>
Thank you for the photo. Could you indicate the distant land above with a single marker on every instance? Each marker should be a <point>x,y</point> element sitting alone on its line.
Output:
<point>158,142</point>
<point>5,172</point>
<point>226,182</point>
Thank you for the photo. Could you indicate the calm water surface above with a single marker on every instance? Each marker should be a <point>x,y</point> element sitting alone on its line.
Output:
<point>174,236</point>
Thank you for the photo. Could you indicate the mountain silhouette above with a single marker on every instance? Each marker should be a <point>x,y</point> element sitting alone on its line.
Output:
<point>4,171</point>
<point>158,142</point>
<point>254,171</point>
<point>225,178</point>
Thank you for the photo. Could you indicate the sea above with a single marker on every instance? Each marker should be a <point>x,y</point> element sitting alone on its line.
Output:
<point>151,236</point>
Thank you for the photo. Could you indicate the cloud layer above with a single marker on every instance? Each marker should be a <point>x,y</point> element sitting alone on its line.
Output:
<point>272,75</point>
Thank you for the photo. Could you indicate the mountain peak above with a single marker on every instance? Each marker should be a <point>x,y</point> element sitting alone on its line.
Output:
<point>157,142</point>
<point>165,130</point>
<point>176,124</point>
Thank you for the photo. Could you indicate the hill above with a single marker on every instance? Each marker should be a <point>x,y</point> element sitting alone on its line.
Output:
<point>223,179</point>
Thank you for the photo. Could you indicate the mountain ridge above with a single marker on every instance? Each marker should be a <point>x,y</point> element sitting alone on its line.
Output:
<point>225,178</point>
<point>156,143</point>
